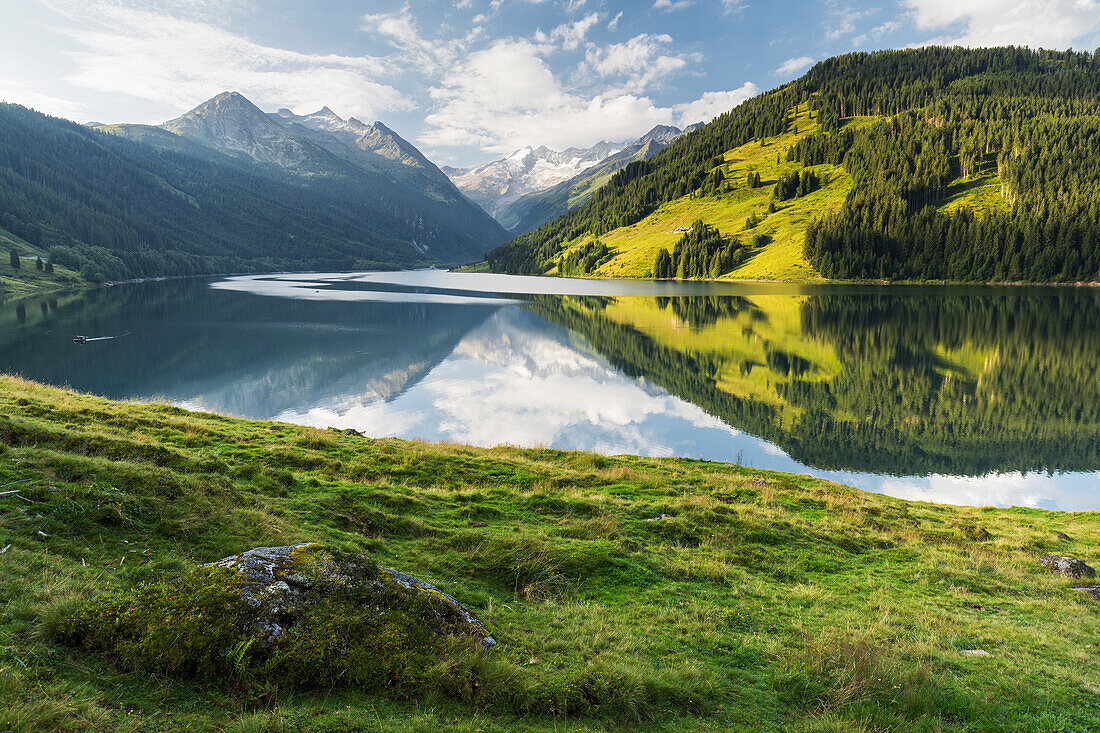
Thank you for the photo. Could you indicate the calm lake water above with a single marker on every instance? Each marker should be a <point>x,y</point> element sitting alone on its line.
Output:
<point>966,395</point>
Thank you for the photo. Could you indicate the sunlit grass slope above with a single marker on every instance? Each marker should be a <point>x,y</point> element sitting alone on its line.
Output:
<point>635,247</point>
<point>27,280</point>
<point>627,592</point>
<point>978,193</point>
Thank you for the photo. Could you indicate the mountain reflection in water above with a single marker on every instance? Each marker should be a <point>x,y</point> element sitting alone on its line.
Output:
<point>960,395</point>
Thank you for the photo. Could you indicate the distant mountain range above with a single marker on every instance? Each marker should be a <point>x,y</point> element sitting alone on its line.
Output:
<point>227,187</point>
<point>321,143</point>
<point>533,185</point>
<point>532,210</point>
<point>324,146</point>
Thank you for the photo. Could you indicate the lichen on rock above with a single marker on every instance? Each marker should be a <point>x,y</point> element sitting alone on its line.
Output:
<point>1069,566</point>
<point>276,579</point>
<point>302,615</point>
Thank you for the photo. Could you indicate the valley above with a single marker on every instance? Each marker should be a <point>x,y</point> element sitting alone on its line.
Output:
<point>780,417</point>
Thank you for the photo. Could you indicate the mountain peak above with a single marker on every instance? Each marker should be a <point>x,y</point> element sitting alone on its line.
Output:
<point>661,133</point>
<point>226,103</point>
<point>327,113</point>
<point>230,123</point>
<point>229,98</point>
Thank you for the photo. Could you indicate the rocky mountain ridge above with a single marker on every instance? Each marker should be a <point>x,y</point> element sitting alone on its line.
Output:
<point>498,186</point>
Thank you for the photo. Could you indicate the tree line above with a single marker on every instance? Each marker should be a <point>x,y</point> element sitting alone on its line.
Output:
<point>1026,118</point>
<point>701,252</point>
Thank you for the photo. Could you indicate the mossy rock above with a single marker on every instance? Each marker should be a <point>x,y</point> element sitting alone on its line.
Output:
<point>301,615</point>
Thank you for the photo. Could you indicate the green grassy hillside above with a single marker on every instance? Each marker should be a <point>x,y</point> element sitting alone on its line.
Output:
<point>678,594</point>
<point>635,246</point>
<point>781,258</point>
<point>925,164</point>
<point>28,279</point>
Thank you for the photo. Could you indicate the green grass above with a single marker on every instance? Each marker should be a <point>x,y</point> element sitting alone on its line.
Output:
<point>781,259</point>
<point>979,193</point>
<point>636,245</point>
<point>28,280</point>
<point>762,601</point>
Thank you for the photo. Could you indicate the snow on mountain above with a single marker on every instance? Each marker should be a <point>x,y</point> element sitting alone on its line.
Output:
<point>497,184</point>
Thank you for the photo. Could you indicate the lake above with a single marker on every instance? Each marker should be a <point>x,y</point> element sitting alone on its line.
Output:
<point>954,394</point>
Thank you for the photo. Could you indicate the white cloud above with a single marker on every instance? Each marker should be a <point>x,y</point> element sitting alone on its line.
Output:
<point>1047,23</point>
<point>180,62</point>
<point>887,28</point>
<point>846,19</point>
<point>639,62</point>
<point>672,4</point>
<point>712,104</point>
<point>20,93</point>
<point>401,31</point>
<point>572,35</point>
<point>794,66</point>
<point>505,97</point>
<point>473,91</point>
<point>209,11</point>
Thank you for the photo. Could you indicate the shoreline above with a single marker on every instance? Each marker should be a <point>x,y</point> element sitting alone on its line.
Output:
<point>730,281</point>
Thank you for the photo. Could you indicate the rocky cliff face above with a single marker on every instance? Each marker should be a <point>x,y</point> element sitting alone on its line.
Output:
<point>371,145</point>
<point>232,124</point>
<point>317,143</point>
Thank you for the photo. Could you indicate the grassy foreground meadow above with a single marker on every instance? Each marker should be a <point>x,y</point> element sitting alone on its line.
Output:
<point>670,593</point>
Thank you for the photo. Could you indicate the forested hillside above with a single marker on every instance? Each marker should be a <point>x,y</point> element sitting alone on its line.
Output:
<point>112,208</point>
<point>963,164</point>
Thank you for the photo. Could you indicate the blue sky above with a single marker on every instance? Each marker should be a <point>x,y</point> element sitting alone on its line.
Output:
<point>470,80</point>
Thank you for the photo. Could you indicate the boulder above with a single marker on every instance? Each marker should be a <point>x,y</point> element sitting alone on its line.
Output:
<point>1092,590</point>
<point>303,616</point>
<point>1070,566</point>
<point>277,581</point>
